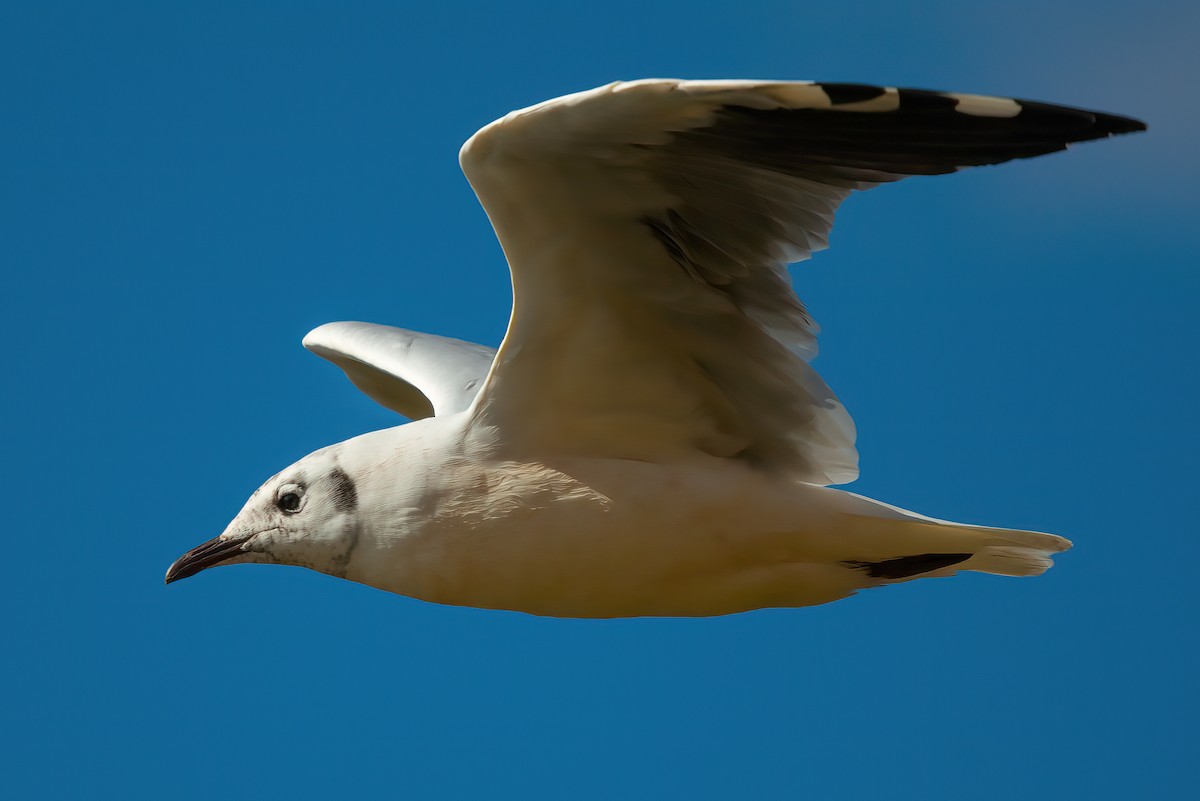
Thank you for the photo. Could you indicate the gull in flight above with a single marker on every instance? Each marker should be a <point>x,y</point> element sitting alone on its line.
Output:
<point>650,438</point>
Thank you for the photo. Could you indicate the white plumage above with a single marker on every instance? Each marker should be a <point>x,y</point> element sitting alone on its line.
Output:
<point>650,438</point>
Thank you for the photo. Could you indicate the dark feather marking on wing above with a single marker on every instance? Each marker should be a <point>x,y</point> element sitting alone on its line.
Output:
<point>840,93</point>
<point>926,135</point>
<point>924,100</point>
<point>908,566</point>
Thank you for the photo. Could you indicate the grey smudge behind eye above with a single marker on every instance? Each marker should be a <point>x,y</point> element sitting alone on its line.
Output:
<point>345,496</point>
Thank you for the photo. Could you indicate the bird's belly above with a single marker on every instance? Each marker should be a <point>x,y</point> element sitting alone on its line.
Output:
<point>610,538</point>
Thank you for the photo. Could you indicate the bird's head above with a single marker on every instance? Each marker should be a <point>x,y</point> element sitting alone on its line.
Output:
<point>307,515</point>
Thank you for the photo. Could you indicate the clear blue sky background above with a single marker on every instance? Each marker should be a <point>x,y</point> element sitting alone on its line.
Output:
<point>187,188</point>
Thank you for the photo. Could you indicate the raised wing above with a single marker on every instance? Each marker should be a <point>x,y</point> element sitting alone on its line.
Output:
<point>417,375</point>
<point>648,226</point>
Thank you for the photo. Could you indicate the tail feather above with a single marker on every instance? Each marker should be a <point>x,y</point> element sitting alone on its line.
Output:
<point>894,544</point>
<point>1001,560</point>
<point>999,551</point>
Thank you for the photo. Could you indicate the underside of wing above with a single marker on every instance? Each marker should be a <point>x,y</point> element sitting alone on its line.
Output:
<point>648,227</point>
<point>417,375</point>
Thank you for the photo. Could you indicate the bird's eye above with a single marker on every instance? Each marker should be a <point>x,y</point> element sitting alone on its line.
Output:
<point>289,502</point>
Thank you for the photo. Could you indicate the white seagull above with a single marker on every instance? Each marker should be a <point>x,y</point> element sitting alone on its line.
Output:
<point>650,438</point>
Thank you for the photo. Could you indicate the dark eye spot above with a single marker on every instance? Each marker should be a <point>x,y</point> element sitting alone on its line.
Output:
<point>289,502</point>
<point>342,491</point>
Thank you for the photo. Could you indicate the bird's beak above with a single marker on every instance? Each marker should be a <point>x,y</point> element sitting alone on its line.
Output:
<point>204,556</point>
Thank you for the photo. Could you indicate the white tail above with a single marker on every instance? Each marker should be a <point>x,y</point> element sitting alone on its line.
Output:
<point>1002,560</point>
<point>1000,551</point>
<point>878,534</point>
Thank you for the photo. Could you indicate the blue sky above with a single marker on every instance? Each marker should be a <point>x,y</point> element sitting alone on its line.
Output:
<point>188,188</point>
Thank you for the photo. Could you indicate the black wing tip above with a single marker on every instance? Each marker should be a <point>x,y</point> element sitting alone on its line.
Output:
<point>1091,124</point>
<point>1080,124</point>
<point>1115,124</point>
<point>863,133</point>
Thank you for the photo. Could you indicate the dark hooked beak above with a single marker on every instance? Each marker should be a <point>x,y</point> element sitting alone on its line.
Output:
<point>206,555</point>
